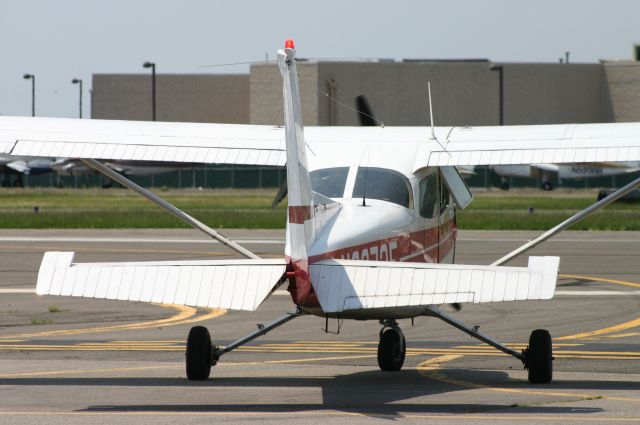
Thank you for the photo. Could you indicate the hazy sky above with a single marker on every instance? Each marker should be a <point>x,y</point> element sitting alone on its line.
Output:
<point>62,39</point>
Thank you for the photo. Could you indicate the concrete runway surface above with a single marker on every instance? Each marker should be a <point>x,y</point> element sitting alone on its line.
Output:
<point>65,360</point>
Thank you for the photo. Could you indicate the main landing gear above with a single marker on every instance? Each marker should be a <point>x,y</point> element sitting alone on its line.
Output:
<point>537,357</point>
<point>201,354</point>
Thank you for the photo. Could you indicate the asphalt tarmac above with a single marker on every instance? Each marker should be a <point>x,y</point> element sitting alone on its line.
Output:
<point>65,360</point>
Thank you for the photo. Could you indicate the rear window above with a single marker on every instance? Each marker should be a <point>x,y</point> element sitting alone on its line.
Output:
<point>383,184</point>
<point>329,182</point>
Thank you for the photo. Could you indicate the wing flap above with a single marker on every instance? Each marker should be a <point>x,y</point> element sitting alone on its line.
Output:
<point>339,283</point>
<point>228,284</point>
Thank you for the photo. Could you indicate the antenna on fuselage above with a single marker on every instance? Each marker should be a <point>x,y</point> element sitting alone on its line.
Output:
<point>433,130</point>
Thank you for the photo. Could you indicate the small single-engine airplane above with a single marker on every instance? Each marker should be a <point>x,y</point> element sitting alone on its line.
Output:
<point>548,174</point>
<point>19,167</point>
<point>371,227</point>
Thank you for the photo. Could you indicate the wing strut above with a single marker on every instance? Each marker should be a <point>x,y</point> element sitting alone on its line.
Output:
<point>100,167</point>
<point>570,221</point>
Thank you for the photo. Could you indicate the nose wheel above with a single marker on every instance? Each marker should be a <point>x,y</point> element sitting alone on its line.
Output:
<point>391,348</point>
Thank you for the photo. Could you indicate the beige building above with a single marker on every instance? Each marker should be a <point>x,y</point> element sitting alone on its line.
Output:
<point>179,97</point>
<point>464,93</point>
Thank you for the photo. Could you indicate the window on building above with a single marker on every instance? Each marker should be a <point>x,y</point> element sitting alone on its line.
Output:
<point>383,184</point>
<point>329,182</point>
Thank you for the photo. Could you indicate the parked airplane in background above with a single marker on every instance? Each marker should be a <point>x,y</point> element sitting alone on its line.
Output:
<point>371,225</point>
<point>75,167</point>
<point>19,167</point>
<point>548,174</point>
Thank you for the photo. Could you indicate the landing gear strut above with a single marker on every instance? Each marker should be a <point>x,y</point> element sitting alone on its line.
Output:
<point>537,357</point>
<point>392,347</point>
<point>201,354</point>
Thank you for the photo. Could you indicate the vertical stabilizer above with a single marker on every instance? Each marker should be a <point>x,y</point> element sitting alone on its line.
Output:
<point>300,224</point>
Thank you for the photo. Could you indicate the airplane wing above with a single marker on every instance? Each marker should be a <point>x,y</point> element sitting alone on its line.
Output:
<point>142,141</point>
<point>534,144</point>
<point>264,145</point>
<point>352,285</point>
<point>228,284</point>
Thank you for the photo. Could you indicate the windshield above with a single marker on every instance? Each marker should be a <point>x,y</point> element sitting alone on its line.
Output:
<point>329,182</point>
<point>383,184</point>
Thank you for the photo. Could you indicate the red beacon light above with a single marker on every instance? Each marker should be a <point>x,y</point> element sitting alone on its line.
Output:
<point>288,44</point>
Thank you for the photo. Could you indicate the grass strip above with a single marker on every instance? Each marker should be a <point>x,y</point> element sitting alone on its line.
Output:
<point>251,208</point>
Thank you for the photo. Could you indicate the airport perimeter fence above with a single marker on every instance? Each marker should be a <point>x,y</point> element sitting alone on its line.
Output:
<point>251,177</point>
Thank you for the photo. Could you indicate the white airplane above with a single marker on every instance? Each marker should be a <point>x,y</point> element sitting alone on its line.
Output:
<point>19,167</point>
<point>371,228</point>
<point>74,167</point>
<point>547,174</point>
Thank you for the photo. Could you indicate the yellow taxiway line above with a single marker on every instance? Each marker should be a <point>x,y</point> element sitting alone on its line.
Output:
<point>600,279</point>
<point>329,412</point>
<point>184,316</point>
<point>117,250</point>
<point>430,368</point>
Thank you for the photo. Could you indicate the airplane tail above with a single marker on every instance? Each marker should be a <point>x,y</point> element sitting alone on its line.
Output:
<point>302,226</point>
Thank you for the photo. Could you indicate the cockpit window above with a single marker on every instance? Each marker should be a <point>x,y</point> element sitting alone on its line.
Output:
<point>383,184</point>
<point>329,182</point>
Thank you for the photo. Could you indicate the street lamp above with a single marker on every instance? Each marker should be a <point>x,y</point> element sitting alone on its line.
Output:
<point>501,90</point>
<point>152,65</point>
<point>33,92</point>
<point>79,82</point>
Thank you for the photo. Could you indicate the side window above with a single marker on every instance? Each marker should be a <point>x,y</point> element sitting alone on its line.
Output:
<point>444,196</point>
<point>329,182</point>
<point>428,190</point>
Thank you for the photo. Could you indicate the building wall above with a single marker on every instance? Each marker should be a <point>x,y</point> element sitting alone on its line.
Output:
<point>397,92</point>
<point>185,97</point>
<point>463,93</point>
<point>265,92</point>
<point>623,84</point>
<point>555,94</point>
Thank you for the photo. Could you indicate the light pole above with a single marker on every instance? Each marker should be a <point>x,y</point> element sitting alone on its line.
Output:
<point>152,65</point>
<point>79,82</point>
<point>501,90</point>
<point>33,92</point>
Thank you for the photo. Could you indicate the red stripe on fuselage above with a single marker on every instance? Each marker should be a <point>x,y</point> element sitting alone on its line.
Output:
<point>419,246</point>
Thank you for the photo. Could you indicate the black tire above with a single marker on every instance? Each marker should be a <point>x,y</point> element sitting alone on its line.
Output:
<point>198,354</point>
<point>391,350</point>
<point>505,185</point>
<point>547,186</point>
<point>540,357</point>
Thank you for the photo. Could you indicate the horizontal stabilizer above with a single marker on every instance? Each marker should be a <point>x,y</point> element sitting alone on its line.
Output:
<point>352,285</point>
<point>228,284</point>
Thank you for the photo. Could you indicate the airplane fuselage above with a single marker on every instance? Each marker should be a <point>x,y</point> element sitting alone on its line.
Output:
<point>415,222</point>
